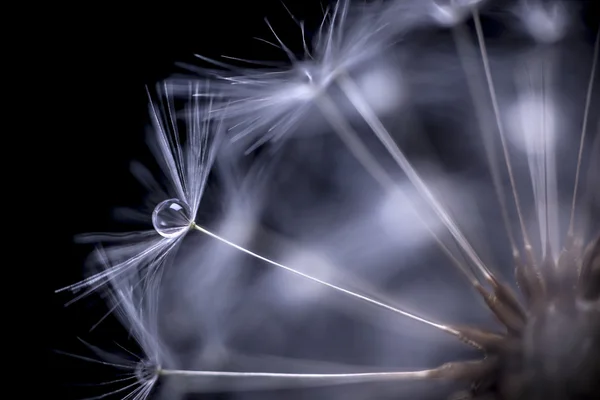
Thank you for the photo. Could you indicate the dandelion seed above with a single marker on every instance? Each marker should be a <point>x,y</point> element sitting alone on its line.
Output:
<point>186,166</point>
<point>270,104</point>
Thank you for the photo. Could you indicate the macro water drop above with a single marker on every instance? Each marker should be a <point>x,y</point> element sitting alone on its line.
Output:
<point>171,218</point>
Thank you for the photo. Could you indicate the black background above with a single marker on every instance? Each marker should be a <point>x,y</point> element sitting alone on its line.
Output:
<point>96,61</point>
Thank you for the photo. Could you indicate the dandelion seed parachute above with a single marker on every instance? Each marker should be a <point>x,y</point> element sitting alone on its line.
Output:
<point>269,103</point>
<point>134,299</point>
<point>185,162</point>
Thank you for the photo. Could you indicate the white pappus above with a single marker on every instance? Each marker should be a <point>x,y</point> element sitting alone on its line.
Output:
<point>185,158</point>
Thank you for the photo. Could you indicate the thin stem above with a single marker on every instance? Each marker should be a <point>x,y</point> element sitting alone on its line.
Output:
<point>353,94</point>
<point>548,167</point>
<point>463,45</point>
<point>586,112</point>
<point>490,82</point>
<point>456,371</point>
<point>340,289</point>
<point>344,378</point>
<point>265,234</point>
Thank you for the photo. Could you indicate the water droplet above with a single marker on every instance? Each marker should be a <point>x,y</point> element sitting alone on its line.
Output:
<point>171,218</point>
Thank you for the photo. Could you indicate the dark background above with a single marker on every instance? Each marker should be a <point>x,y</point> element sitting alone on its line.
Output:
<point>99,59</point>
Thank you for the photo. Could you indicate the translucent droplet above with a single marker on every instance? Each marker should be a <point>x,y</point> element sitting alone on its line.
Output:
<point>171,218</point>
